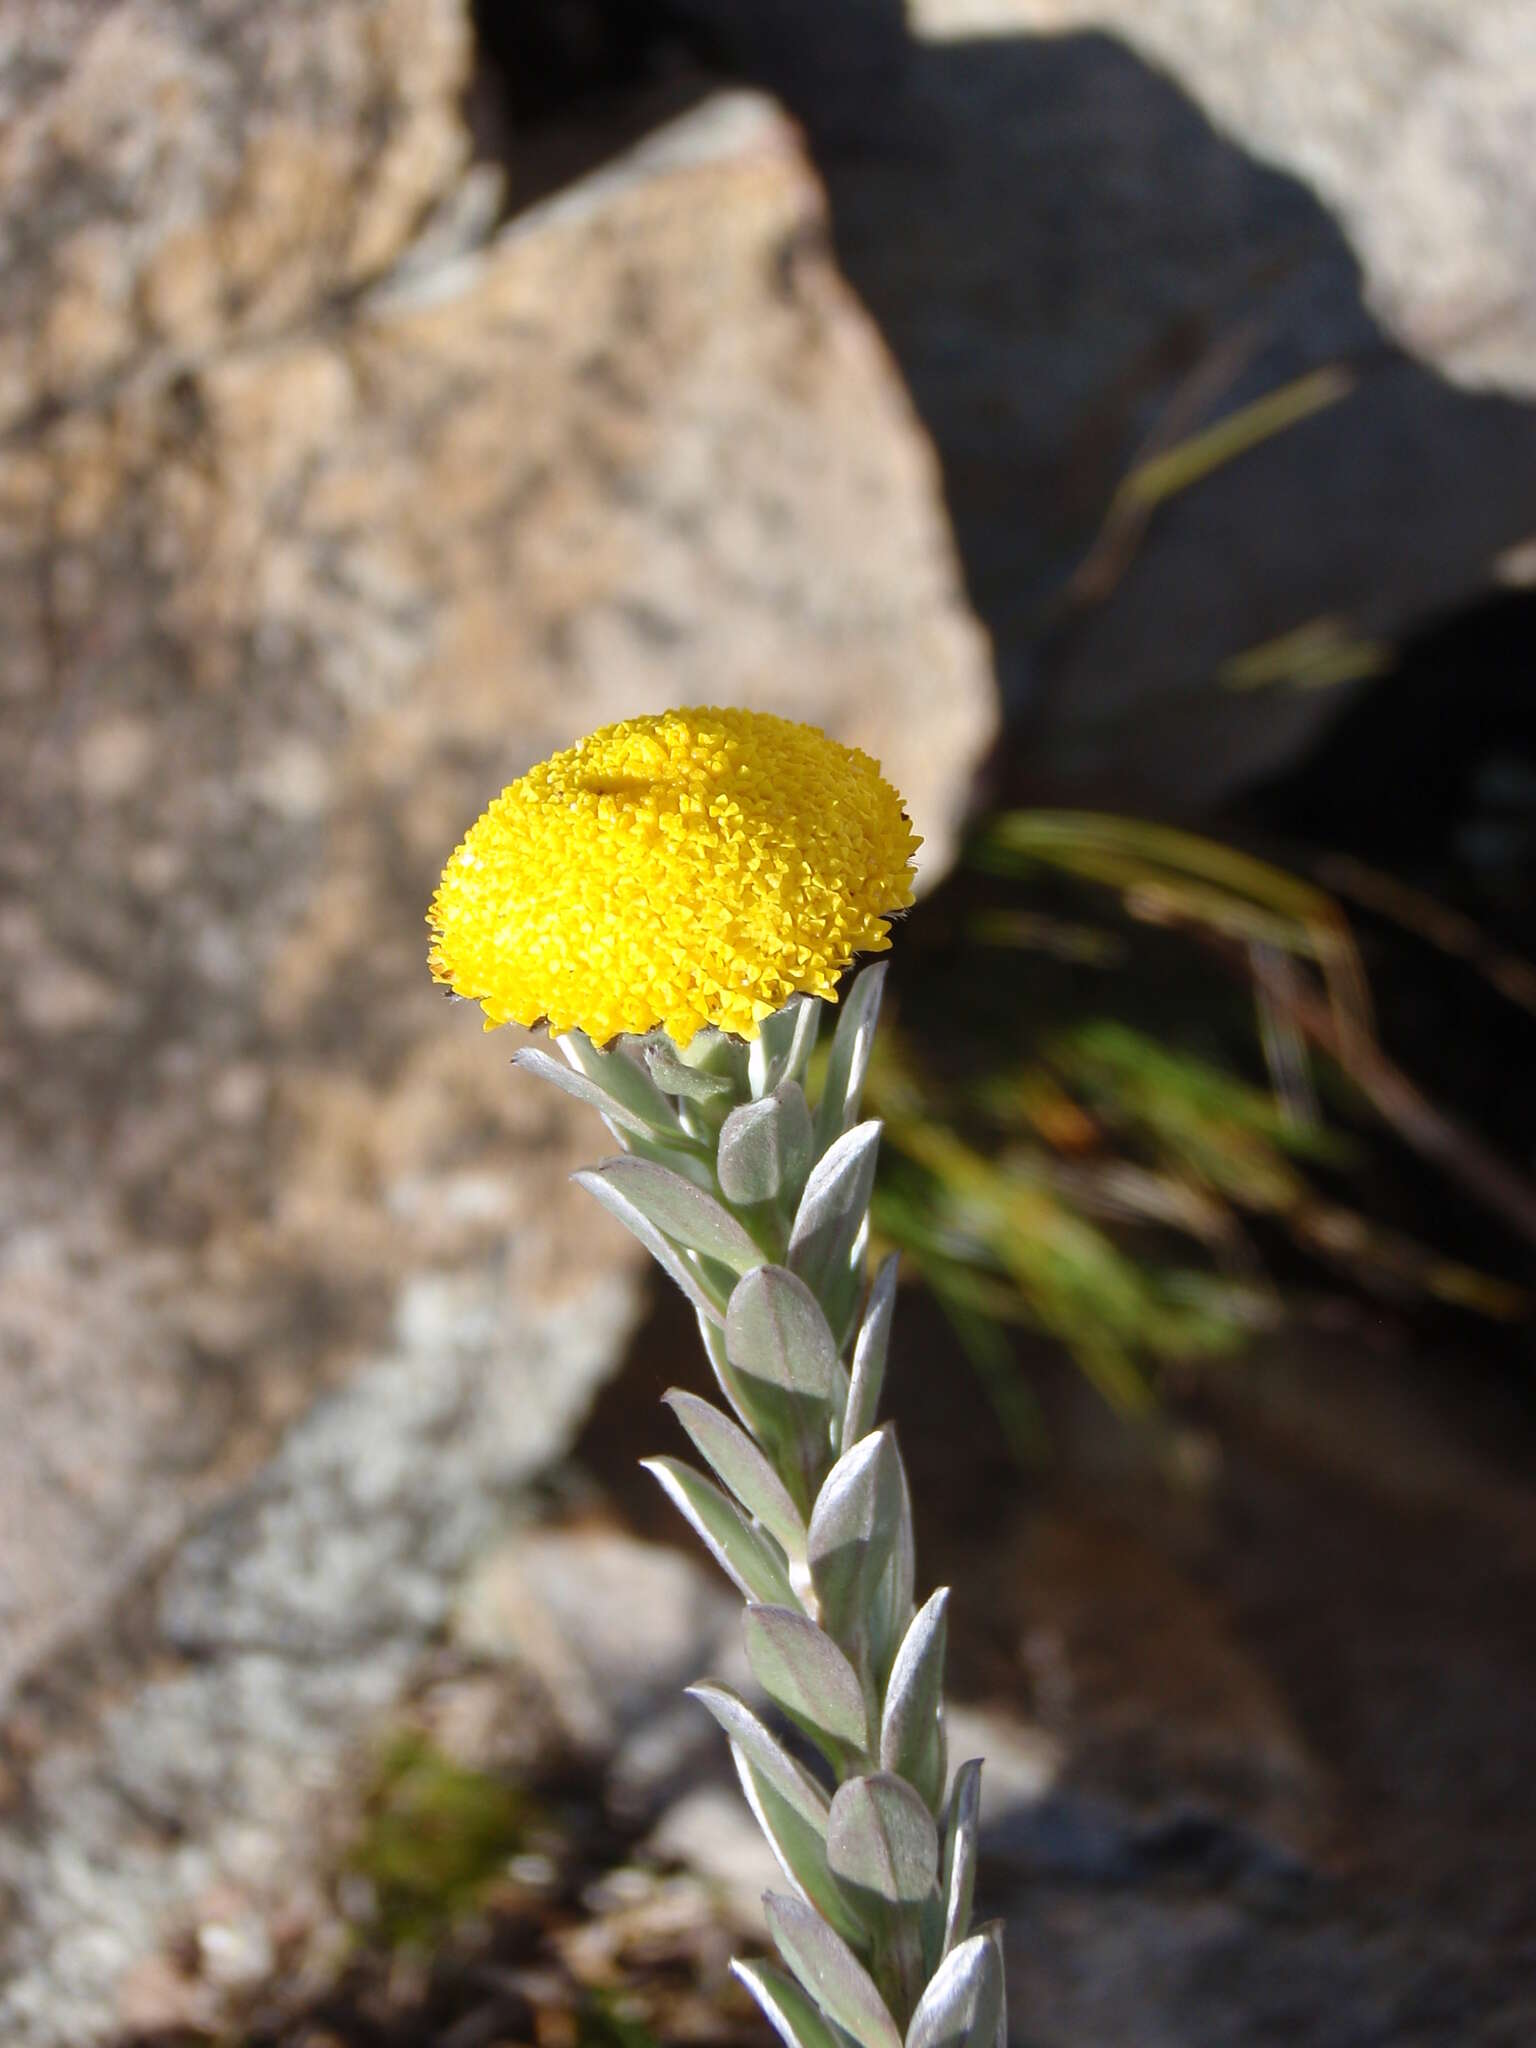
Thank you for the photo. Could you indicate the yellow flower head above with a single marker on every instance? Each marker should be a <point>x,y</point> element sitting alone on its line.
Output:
<point>700,867</point>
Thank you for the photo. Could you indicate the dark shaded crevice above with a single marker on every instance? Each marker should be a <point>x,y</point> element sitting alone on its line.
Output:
<point>1433,766</point>
<point>562,87</point>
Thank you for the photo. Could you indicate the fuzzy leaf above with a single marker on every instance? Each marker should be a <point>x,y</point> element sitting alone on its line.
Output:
<point>738,1462</point>
<point>743,1555</point>
<point>673,1077</point>
<point>881,1839</point>
<point>960,2008</point>
<point>782,1048</point>
<point>572,1082</point>
<point>765,1752</point>
<point>960,1831</point>
<point>994,1933</point>
<point>803,1671</point>
<point>786,2008</point>
<point>829,1970</point>
<point>913,1696</point>
<point>891,1612</point>
<point>765,1146</point>
<point>849,1061</point>
<point>712,1334</point>
<point>799,1848</point>
<point>787,1370</point>
<point>682,1212</point>
<point>706,1298</point>
<point>869,1353</point>
<point>624,1080</point>
<point>853,1533</point>
<point>776,1332</point>
<point>832,1210</point>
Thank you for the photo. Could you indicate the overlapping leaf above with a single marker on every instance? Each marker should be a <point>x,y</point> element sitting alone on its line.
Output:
<point>881,1840</point>
<point>787,1370</point>
<point>741,1466</point>
<point>960,1831</point>
<point>708,1298</point>
<point>867,1378</point>
<point>854,1534</point>
<point>681,1211</point>
<point>803,1671</point>
<point>765,1147</point>
<point>909,1726</point>
<point>964,2000</point>
<point>829,1970</point>
<point>786,2007</point>
<point>833,1210</point>
<point>746,1557</point>
<point>782,1048</point>
<point>843,1088</point>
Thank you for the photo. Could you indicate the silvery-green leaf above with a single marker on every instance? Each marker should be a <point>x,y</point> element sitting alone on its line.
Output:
<point>734,1544</point>
<point>783,1044</point>
<point>718,1052</point>
<point>932,1766</point>
<point>786,2008</point>
<point>891,1609</point>
<point>776,1331</point>
<point>913,1695</point>
<point>673,1077</point>
<point>994,1933</point>
<point>849,1061</point>
<point>853,1532</point>
<point>573,1082</point>
<point>620,1077</point>
<point>843,1293</point>
<point>799,1848</point>
<point>961,2005</point>
<point>738,1462</point>
<point>765,1752</point>
<point>869,1353</point>
<point>709,1300</point>
<point>765,1146</point>
<point>686,1155</point>
<point>788,1373</point>
<point>830,1971</point>
<point>712,1333</point>
<point>803,1671</point>
<point>881,1839</point>
<point>682,1212</point>
<point>960,1831</point>
<point>833,1208</point>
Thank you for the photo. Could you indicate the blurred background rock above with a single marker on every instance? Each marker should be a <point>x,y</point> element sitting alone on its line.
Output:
<point>1068,402</point>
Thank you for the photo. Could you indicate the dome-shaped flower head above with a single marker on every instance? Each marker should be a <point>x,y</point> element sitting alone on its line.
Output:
<point>700,867</point>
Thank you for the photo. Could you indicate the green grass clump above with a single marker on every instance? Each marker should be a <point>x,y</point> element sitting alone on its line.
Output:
<point>435,1837</point>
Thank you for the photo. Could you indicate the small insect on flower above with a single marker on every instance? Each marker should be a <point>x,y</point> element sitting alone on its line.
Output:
<point>698,867</point>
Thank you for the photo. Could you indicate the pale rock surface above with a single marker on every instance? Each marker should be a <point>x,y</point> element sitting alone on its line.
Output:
<point>1410,119</point>
<point>611,1628</point>
<point>174,179</point>
<point>210,1759</point>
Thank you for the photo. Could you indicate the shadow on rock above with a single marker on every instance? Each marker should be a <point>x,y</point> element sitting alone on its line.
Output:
<point>1079,276</point>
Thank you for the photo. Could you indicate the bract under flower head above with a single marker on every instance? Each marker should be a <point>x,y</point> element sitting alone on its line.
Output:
<point>697,867</point>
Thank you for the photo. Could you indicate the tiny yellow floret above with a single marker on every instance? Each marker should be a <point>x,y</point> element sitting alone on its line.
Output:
<point>696,867</point>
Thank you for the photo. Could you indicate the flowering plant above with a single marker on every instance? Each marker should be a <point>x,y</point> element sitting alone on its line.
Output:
<point>677,898</point>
